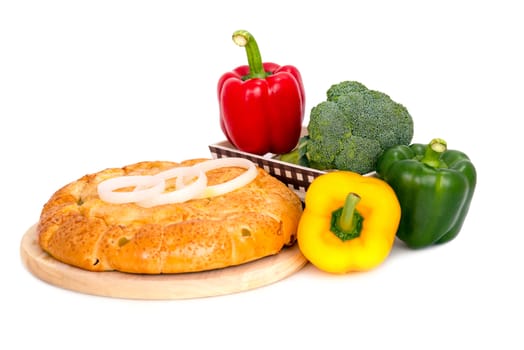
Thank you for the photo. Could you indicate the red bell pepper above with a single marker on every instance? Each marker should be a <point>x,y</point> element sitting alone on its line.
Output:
<point>261,104</point>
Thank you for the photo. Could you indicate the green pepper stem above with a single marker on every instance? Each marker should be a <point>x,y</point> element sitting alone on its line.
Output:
<point>244,39</point>
<point>346,221</point>
<point>433,152</point>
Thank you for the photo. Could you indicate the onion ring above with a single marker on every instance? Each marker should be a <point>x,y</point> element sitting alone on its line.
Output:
<point>149,190</point>
<point>243,179</point>
<point>145,186</point>
<point>183,192</point>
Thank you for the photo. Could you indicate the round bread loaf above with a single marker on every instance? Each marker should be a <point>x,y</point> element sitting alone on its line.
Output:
<point>257,220</point>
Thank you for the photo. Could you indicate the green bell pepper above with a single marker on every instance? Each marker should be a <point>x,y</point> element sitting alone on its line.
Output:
<point>434,186</point>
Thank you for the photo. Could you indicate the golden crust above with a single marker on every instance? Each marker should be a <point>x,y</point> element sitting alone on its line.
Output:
<point>257,220</point>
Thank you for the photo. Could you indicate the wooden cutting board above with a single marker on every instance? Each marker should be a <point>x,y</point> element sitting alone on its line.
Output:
<point>159,287</point>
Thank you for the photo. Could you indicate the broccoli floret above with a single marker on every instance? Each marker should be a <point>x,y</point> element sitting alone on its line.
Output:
<point>344,88</point>
<point>358,154</point>
<point>328,129</point>
<point>352,128</point>
<point>373,114</point>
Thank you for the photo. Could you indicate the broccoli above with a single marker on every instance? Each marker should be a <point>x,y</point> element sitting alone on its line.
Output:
<point>373,114</point>
<point>351,129</point>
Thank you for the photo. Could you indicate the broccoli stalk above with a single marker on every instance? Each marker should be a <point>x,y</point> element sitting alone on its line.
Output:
<point>298,155</point>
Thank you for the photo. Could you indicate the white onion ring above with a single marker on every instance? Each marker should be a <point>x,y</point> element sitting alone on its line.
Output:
<point>149,190</point>
<point>183,192</point>
<point>243,179</point>
<point>145,186</point>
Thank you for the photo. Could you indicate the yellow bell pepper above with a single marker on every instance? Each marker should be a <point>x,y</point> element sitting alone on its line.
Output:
<point>349,222</point>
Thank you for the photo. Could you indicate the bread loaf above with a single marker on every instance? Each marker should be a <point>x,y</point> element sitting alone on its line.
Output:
<point>254,221</point>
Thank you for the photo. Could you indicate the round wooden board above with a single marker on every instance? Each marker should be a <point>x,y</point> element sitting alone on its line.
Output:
<point>159,287</point>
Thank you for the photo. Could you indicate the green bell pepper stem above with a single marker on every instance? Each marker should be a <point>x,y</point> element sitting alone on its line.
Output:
<point>433,152</point>
<point>256,68</point>
<point>346,222</point>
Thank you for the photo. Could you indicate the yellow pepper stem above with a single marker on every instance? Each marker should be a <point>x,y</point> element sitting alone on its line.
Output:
<point>346,222</point>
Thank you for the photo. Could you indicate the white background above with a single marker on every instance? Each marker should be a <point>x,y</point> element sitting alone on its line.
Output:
<point>86,85</point>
